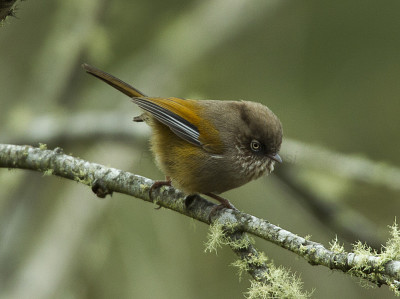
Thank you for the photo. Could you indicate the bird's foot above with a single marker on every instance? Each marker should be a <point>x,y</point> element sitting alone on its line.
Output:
<point>158,184</point>
<point>224,204</point>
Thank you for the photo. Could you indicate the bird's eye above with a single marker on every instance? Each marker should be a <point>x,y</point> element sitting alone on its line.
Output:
<point>255,145</point>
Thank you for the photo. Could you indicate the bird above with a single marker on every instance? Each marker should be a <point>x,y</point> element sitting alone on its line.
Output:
<point>206,146</point>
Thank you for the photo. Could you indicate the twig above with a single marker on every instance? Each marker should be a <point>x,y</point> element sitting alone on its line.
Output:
<point>109,180</point>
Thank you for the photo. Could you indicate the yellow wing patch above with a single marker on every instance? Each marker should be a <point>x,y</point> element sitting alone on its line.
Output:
<point>192,112</point>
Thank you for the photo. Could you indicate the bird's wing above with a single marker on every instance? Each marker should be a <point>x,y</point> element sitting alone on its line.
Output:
<point>180,117</point>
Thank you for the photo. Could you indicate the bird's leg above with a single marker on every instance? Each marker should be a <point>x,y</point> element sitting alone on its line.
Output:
<point>224,203</point>
<point>158,184</point>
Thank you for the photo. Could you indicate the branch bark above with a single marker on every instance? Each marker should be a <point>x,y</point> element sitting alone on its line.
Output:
<point>106,180</point>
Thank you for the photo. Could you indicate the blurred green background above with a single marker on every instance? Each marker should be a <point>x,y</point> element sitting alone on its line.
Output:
<point>329,70</point>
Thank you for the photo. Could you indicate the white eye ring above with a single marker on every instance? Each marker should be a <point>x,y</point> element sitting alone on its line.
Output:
<point>255,145</point>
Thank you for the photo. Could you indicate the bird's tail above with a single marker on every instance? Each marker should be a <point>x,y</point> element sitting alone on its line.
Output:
<point>122,86</point>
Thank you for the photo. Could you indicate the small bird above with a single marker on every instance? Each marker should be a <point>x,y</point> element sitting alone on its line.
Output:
<point>206,146</point>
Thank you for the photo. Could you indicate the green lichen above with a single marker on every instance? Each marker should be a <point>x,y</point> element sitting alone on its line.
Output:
<point>48,172</point>
<point>282,284</point>
<point>42,146</point>
<point>25,153</point>
<point>363,249</point>
<point>303,249</point>
<point>82,177</point>
<point>392,248</point>
<point>394,288</point>
<point>241,243</point>
<point>215,238</point>
<point>335,246</point>
<point>391,251</point>
<point>258,260</point>
<point>361,266</point>
<point>242,267</point>
<point>218,236</point>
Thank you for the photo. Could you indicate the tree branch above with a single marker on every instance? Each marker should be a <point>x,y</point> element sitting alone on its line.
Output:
<point>376,268</point>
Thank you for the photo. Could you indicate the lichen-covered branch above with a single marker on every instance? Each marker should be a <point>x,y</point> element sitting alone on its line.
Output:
<point>104,180</point>
<point>367,264</point>
<point>269,281</point>
<point>383,268</point>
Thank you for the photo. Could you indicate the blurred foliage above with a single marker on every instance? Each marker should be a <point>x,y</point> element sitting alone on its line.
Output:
<point>329,70</point>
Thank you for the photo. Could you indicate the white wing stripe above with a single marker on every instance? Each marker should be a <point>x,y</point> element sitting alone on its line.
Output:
<point>174,121</point>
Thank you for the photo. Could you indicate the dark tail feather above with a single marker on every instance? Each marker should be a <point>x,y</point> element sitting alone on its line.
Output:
<point>114,82</point>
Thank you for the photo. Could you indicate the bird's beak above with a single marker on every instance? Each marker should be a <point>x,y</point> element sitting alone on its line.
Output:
<point>276,157</point>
